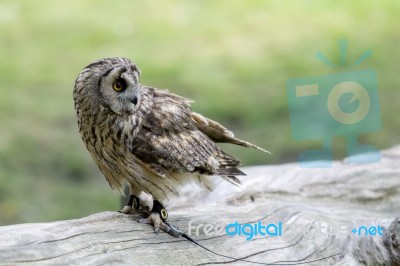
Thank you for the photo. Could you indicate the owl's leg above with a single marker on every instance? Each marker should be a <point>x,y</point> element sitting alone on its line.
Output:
<point>140,200</point>
<point>134,202</point>
<point>157,218</point>
<point>137,199</point>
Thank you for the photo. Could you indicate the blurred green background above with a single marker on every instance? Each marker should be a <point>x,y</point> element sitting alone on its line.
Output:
<point>232,57</point>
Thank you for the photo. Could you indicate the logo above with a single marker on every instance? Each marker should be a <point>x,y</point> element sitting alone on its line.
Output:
<point>339,104</point>
<point>316,228</point>
<point>251,230</point>
<point>236,229</point>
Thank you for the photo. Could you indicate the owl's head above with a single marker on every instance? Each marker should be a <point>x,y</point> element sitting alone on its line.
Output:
<point>109,83</point>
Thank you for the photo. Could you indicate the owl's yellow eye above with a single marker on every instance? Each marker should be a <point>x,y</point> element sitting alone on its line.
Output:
<point>119,85</point>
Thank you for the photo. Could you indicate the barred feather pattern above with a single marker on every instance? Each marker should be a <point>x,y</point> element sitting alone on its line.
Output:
<point>146,137</point>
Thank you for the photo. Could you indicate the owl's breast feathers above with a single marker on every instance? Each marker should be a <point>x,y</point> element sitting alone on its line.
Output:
<point>175,139</point>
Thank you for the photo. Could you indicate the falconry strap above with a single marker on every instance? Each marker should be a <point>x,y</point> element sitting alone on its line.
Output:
<point>176,232</point>
<point>159,208</point>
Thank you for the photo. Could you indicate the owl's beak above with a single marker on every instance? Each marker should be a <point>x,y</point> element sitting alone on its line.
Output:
<point>134,94</point>
<point>134,100</point>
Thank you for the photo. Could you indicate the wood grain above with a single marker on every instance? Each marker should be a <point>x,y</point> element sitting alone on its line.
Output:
<point>318,208</point>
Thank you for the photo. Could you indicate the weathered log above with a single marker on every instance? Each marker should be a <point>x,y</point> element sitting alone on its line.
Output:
<point>314,210</point>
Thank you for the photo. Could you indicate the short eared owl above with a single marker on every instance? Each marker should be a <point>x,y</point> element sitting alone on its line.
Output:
<point>148,138</point>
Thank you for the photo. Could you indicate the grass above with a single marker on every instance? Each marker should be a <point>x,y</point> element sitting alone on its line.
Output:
<point>232,57</point>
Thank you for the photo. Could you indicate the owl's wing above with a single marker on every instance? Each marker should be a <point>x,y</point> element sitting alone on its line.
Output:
<point>170,140</point>
<point>219,133</point>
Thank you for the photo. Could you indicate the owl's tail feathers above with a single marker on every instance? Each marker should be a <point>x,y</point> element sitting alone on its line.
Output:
<point>229,171</point>
<point>244,144</point>
<point>229,174</point>
<point>233,180</point>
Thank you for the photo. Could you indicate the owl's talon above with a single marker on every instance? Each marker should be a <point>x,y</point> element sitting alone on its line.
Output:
<point>156,230</point>
<point>157,218</point>
<point>133,202</point>
<point>127,210</point>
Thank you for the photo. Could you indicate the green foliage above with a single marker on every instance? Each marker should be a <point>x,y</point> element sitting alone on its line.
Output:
<point>232,57</point>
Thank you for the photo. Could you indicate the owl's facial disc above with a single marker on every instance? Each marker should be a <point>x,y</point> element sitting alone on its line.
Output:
<point>120,90</point>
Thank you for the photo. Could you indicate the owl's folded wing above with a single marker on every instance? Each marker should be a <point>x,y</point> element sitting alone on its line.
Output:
<point>171,141</point>
<point>219,133</point>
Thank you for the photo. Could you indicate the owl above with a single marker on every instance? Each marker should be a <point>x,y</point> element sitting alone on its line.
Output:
<point>147,138</point>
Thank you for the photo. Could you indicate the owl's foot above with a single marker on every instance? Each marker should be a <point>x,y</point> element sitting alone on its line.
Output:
<point>157,218</point>
<point>134,202</point>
